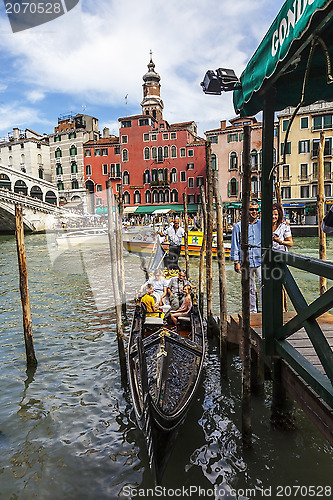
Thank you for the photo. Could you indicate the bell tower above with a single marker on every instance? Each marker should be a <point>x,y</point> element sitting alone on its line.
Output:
<point>152,103</point>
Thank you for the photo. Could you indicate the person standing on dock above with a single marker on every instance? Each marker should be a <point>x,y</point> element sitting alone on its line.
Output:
<point>254,242</point>
<point>175,235</point>
<point>282,238</point>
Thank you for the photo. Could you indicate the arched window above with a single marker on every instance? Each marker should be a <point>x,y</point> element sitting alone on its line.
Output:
<point>160,154</point>
<point>75,184</point>
<point>173,176</point>
<point>166,196</point>
<point>58,169</point>
<point>126,178</point>
<point>233,187</point>
<point>50,197</point>
<point>137,197</point>
<point>60,186</point>
<point>166,152</point>
<point>125,155</point>
<point>155,197</point>
<point>173,152</point>
<point>154,177</point>
<point>161,197</point>
<point>147,197</point>
<point>154,153</point>
<point>39,159</point>
<point>41,173</point>
<point>36,192</point>
<point>254,185</point>
<point>146,177</point>
<point>214,162</point>
<point>73,150</point>
<point>72,135</point>
<point>74,168</point>
<point>10,161</point>
<point>174,196</point>
<point>127,198</point>
<point>58,153</point>
<point>21,187</point>
<point>5,182</point>
<point>233,161</point>
<point>146,154</point>
<point>22,159</point>
<point>254,159</point>
<point>160,175</point>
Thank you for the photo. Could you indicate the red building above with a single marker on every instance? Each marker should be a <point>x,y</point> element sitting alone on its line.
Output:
<point>158,162</point>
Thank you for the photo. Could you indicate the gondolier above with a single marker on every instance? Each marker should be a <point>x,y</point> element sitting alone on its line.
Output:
<point>175,235</point>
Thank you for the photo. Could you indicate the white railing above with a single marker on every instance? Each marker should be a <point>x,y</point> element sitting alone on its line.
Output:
<point>28,201</point>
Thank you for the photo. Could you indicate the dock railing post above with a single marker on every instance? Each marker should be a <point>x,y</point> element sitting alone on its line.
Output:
<point>320,210</point>
<point>203,248</point>
<point>24,289</point>
<point>187,260</point>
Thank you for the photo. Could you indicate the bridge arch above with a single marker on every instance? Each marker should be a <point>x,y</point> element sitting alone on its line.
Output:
<point>36,192</point>
<point>5,182</point>
<point>50,197</point>
<point>20,187</point>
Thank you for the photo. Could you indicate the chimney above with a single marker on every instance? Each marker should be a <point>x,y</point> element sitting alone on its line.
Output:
<point>223,124</point>
<point>106,132</point>
<point>16,133</point>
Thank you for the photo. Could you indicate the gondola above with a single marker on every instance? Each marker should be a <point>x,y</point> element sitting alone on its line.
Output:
<point>164,372</point>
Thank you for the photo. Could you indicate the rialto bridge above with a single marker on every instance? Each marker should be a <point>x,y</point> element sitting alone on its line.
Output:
<point>38,198</point>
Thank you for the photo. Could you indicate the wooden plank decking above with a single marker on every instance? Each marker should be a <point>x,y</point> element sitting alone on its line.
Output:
<point>317,410</point>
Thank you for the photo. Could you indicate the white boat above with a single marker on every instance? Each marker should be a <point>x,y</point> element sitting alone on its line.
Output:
<point>93,236</point>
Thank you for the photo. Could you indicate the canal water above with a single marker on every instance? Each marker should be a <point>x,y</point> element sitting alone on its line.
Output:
<point>68,430</point>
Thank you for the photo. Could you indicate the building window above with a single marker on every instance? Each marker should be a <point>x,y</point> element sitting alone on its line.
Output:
<point>200,181</point>
<point>173,175</point>
<point>214,139</point>
<point>304,122</point>
<point>154,175</point>
<point>190,166</point>
<point>173,135</point>
<point>124,139</point>
<point>160,154</point>
<point>233,187</point>
<point>146,137</point>
<point>182,152</point>
<point>104,151</point>
<point>191,182</point>
<point>57,138</point>
<point>146,154</point>
<point>322,122</point>
<point>327,148</point>
<point>165,137</point>
<point>75,184</point>
<point>191,198</point>
<point>143,122</point>
<point>88,169</point>
<point>199,200</point>
<point>304,146</point>
<point>233,161</point>
<point>117,150</point>
<point>305,192</point>
<point>126,178</point>
<point>232,137</point>
<point>126,123</point>
<point>314,171</point>
<point>73,150</point>
<point>39,146</point>
<point>147,197</point>
<point>174,196</point>
<point>304,172</point>
<point>40,173</point>
<point>314,190</point>
<point>126,198</point>
<point>166,196</point>
<point>182,176</point>
<point>137,197</point>
<point>73,168</point>
<point>173,152</point>
<point>254,159</point>
<point>166,152</point>
<point>105,169</point>
<point>214,162</point>
<point>327,170</point>
<point>125,155</point>
<point>99,187</point>
<point>72,135</point>
<point>328,190</point>
<point>146,177</point>
<point>97,152</point>
<point>285,173</point>
<point>155,197</point>
<point>58,153</point>
<point>190,152</point>
<point>60,186</point>
<point>288,148</point>
<point>87,152</point>
<point>154,153</point>
<point>58,170</point>
<point>286,192</point>
<point>153,137</point>
<point>285,124</point>
<point>161,197</point>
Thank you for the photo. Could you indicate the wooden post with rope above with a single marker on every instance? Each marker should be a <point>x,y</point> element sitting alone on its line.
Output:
<point>202,249</point>
<point>209,244</point>
<point>187,260</point>
<point>222,279</point>
<point>320,210</point>
<point>115,281</point>
<point>24,288</point>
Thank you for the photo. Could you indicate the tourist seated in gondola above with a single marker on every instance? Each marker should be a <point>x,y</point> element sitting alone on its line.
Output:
<point>149,302</point>
<point>176,291</point>
<point>160,285</point>
<point>185,308</point>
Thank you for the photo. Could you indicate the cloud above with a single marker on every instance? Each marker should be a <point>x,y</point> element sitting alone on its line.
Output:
<point>35,96</point>
<point>100,55</point>
<point>15,114</point>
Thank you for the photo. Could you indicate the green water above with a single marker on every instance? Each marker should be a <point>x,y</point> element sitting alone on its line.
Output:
<point>68,430</point>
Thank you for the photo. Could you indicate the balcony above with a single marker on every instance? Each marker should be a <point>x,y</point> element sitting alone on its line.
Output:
<point>160,183</point>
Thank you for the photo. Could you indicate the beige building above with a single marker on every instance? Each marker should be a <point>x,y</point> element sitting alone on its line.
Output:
<point>66,152</point>
<point>299,174</point>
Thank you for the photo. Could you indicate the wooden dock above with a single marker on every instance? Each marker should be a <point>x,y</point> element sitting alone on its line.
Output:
<point>320,413</point>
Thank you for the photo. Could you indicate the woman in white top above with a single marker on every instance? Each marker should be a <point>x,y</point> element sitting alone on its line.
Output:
<point>282,238</point>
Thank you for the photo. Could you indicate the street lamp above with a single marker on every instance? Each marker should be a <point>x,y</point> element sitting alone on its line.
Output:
<point>223,80</point>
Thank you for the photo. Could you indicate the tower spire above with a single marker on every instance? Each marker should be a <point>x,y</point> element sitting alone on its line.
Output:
<point>152,103</point>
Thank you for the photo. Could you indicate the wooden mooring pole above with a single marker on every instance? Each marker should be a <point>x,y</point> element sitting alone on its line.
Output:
<point>202,249</point>
<point>115,281</point>
<point>246,339</point>
<point>209,244</point>
<point>222,279</point>
<point>321,209</point>
<point>187,260</point>
<point>24,289</point>
<point>120,252</point>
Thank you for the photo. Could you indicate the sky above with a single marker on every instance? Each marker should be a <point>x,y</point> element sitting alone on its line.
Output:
<point>91,58</point>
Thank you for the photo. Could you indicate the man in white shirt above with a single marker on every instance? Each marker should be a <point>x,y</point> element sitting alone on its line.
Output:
<point>175,235</point>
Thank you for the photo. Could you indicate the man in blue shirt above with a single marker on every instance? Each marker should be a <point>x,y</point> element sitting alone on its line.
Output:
<point>254,251</point>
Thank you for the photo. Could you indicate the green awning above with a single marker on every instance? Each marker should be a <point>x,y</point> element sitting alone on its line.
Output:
<point>282,57</point>
<point>149,209</point>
